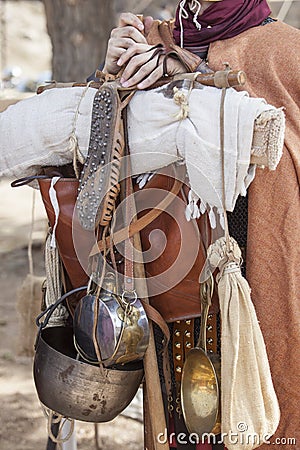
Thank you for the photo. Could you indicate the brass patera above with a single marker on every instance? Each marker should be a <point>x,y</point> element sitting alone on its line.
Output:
<point>199,385</point>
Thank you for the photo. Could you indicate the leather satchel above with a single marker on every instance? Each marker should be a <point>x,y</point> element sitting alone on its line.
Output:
<point>173,276</point>
<point>178,296</point>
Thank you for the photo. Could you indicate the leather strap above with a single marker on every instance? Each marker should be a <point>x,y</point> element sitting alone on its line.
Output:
<point>129,214</point>
<point>128,231</point>
<point>156,317</point>
<point>155,405</point>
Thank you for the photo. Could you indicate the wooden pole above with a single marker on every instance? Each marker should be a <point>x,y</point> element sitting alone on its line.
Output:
<point>154,402</point>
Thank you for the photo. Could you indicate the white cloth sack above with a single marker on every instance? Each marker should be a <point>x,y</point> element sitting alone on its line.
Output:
<point>250,409</point>
<point>39,131</point>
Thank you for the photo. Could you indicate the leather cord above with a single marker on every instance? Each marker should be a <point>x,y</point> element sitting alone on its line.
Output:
<point>139,224</point>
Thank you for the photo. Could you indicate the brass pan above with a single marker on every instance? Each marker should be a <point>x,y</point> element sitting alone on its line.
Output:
<point>199,384</point>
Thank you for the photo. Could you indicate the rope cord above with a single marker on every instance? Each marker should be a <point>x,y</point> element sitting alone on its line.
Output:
<point>195,7</point>
<point>182,100</point>
<point>54,418</point>
<point>183,14</point>
<point>74,147</point>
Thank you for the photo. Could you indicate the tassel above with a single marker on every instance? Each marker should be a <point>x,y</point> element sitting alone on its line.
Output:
<point>54,284</point>
<point>53,266</point>
<point>192,210</point>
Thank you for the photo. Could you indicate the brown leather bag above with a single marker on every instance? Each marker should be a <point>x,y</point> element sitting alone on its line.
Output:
<point>173,276</point>
<point>175,272</point>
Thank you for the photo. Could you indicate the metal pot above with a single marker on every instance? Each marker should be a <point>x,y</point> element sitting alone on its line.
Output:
<point>76,389</point>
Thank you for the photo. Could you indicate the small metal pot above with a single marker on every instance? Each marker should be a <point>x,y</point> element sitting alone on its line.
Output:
<point>121,338</point>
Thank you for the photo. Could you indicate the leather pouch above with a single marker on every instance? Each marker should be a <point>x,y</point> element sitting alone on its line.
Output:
<point>173,276</point>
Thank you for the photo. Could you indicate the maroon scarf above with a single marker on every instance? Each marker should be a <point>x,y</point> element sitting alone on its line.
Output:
<point>221,20</point>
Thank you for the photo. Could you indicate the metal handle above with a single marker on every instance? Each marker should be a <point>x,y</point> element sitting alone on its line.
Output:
<point>206,292</point>
<point>49,311</point>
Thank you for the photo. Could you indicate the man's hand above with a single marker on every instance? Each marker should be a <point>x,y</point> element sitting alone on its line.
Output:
<point>130,31</point>
<point>145,69</point>
<point>128,48</point>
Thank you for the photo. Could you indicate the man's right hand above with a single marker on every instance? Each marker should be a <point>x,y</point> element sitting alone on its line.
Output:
<point>130,32</point>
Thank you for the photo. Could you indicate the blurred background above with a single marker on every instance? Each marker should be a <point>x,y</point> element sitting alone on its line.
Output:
<point>63,40</point>
<point>66,40</point>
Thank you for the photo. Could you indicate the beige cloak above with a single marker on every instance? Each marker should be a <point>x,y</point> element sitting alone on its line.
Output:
<point>270,56</point>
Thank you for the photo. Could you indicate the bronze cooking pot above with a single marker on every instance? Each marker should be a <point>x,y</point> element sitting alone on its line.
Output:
<point>76,389</point>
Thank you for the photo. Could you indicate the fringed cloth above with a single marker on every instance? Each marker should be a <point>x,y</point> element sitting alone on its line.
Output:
<point>188,126</point>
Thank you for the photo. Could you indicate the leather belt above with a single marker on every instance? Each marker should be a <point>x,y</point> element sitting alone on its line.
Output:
<point>182,341</point>
<point>212,334</point>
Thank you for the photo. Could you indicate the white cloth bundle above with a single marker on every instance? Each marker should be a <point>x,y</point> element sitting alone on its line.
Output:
<point>40,131</point>
<point>157,137</point>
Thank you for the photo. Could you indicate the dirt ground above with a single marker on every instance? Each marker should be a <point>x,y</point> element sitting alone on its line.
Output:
<point>22,423</point>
